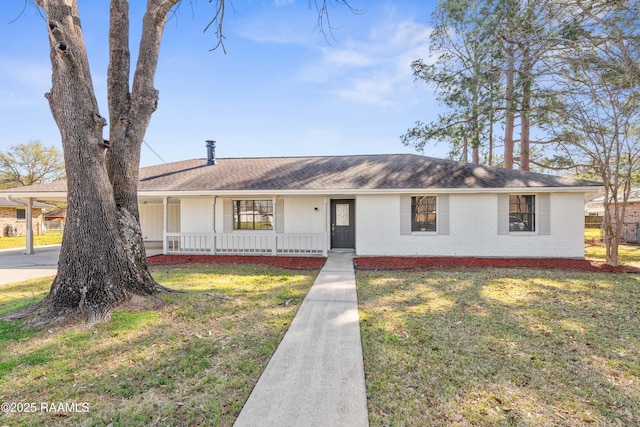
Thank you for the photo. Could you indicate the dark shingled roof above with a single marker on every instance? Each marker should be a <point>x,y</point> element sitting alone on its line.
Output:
<point>366,172</point>
<point>370,172</point>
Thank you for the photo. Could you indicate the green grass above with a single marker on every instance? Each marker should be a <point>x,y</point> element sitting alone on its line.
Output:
<point>595,249</point>
<point>50,238</point>
<point>501,347</point>
<point>474,347</point>
<point>592,233</point>
<point>192,361</point>
<point>627,254</point>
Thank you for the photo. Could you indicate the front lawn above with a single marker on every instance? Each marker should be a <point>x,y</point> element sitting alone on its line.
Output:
<point>193,361</point>
<point>50,238</point>
<point>501,347</point>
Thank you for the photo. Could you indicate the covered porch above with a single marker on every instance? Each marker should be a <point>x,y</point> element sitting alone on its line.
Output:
<point>237,224</point>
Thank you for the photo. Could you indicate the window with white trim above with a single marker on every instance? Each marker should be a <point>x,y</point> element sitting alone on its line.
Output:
<point>423,213</point>
<point>253,214</point>
<point>522,212</point>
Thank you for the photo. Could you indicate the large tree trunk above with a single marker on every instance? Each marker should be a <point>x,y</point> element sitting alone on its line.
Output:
<point>130,113</point>
<point>102,259</point>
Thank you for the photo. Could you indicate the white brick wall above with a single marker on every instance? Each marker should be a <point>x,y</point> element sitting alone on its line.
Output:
<point>473,229</point>
<point>473,225</point>
<point>300,217</point>
<point>196,215</point>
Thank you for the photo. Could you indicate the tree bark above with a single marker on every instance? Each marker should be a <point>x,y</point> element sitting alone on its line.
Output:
<point>102,259</point>
<point>509,115</point>
<point>525,125</point>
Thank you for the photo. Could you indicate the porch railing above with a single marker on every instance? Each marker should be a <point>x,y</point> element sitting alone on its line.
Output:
<point>245,244</point>
<point>188,242</point>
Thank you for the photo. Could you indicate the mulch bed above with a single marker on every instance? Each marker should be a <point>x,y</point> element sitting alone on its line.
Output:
<point>410,263</point>
<point>397,262</point>
<point>288,262</point>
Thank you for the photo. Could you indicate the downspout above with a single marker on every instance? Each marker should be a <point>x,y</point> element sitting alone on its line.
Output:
<point>213,240</point>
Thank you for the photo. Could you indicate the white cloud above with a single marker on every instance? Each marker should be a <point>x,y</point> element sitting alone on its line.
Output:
<point>34,74</point>
<point>280,3</point>
<point>375,70</point>
<point>346,58</point>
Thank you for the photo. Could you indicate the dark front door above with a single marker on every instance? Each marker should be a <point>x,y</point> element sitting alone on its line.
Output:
<point>343,230</point>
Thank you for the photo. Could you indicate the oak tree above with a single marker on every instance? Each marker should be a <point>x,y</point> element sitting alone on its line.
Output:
<point>102,258</point>
<point>31,163</point>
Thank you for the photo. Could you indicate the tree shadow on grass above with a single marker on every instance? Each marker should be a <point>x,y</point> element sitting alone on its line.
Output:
<point>500,347</point>
<point>194,361</point>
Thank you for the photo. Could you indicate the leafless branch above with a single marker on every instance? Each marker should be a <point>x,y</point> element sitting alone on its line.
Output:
<point>217,21</point>
<point>323,24</point>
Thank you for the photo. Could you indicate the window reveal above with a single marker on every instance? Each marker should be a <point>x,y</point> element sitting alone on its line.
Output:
<point>522,212</point>
<point>253,215</point>
<point>423,213</point>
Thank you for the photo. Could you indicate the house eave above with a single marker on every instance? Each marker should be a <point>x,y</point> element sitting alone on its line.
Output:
<point>62,195</point>
<point>352,192</point>
<point>54,196</point>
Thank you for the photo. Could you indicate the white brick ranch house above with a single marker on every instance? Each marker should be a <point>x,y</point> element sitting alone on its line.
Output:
<point>403,204</point>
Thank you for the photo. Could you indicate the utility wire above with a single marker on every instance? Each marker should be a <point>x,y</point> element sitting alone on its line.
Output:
<point>153,151</point>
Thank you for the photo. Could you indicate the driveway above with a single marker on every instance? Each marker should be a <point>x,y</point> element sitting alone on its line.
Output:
<point>15,266</point>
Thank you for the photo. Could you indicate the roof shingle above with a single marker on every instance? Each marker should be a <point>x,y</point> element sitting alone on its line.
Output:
<point>363,172</point>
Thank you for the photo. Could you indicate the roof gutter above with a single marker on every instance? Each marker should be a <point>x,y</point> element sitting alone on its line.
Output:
<point>62,195</point>
<point>35,195</point>
<point>351,191</point>
<point>13,199</point>
<point>10,197</point>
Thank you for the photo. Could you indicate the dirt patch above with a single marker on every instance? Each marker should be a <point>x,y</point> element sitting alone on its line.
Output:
<point>410,263</point>
<point>288,262</point>
<point>140,303</point>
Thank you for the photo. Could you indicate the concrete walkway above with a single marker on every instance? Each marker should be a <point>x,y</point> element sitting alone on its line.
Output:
<point>316,376</point>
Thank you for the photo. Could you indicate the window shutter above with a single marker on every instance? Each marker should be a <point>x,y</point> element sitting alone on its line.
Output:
<point>503,214</point>
<point>279,215</point>
<point>443,214</point>
<point>405,215</point>
<point>227,209</point>
<point>544,214</point>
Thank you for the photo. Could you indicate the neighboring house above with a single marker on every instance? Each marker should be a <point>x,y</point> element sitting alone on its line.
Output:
<point>55,218</point>
<point>13,217</point>
<point>402,204</point>
<point>631,220</point>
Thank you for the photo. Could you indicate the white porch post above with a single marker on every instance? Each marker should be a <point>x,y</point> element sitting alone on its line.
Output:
<point>29,231</point>
<point>327,227</point>
<point>165,224</point>
<point>213,233</point>
<point>274,246</point>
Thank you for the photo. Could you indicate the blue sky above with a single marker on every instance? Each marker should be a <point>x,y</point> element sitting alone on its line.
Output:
<point>280,90</point>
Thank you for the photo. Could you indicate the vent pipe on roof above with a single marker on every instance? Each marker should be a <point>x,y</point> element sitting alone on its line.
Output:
<point>211,152</point>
